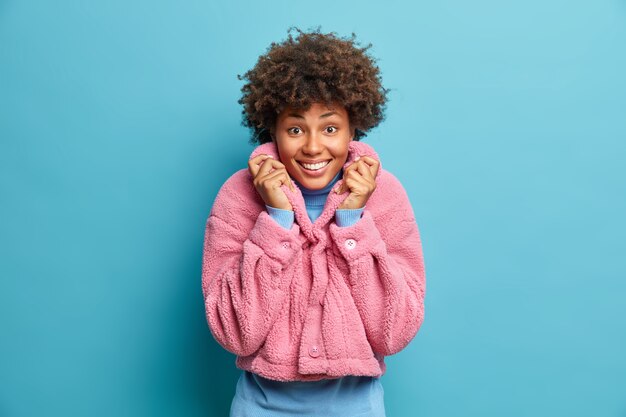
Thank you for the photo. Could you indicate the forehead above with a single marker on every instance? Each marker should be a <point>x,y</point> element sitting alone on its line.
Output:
<point>314,111</point>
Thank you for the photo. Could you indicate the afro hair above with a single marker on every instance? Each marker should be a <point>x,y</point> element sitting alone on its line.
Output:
<point>313,68</point>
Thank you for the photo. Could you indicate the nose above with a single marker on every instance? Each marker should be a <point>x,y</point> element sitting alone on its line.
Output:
<point>313,144</point>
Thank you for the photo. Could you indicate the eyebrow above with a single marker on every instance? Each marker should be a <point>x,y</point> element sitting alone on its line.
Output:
<point>298,116</point>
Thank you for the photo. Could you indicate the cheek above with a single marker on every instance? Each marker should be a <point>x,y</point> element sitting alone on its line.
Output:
<point>341,152</point>
<point>283,154</point>
<point>290,165</point>
<point>285,151</point>
<point>292,171</point>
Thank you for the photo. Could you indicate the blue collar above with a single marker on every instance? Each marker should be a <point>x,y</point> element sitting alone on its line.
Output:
<point>318,197</point>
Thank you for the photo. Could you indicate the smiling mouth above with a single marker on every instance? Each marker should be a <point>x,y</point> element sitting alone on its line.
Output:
<point>314,167</point>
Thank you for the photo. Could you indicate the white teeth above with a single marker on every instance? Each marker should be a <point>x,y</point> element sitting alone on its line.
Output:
<point>315,167</point>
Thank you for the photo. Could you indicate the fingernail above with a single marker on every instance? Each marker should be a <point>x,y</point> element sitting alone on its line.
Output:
<point>269,156</point>
<point>357,158</point>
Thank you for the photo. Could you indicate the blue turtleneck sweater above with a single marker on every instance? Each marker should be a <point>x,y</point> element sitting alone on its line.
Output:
<point>315,201</point>
<point>348,396</point>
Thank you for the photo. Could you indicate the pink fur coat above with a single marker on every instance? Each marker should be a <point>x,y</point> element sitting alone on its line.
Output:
<point>317,301</point>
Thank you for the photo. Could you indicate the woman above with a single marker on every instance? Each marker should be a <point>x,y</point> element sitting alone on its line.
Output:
<point>312,268</point>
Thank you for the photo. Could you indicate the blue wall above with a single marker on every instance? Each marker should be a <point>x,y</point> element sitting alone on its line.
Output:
<point>506,124</point>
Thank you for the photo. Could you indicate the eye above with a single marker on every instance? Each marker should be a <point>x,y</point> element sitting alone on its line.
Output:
<point>294,130</point>
<point>332,127</point>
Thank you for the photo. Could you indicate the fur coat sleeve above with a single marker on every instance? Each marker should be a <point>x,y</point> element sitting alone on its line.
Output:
<point>382,258</point>
<point>248,265</point>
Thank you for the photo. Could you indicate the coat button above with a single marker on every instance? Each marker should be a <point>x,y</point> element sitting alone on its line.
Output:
<point>350,243</point>
<point>314,351</point>
<point>285,245</point>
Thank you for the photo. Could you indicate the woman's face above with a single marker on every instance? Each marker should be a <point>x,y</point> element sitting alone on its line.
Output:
<point>313,144</point>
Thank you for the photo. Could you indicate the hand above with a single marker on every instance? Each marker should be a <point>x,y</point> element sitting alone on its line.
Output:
<point>267,181</point>
<point>359,178</point>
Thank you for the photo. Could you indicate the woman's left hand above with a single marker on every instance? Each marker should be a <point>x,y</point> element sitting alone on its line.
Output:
<point>359,178</point>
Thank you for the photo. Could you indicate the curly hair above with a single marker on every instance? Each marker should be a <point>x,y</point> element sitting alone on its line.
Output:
<point>313,68</point>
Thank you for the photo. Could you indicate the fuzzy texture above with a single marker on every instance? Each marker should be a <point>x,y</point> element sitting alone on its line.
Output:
<point>318,300</point>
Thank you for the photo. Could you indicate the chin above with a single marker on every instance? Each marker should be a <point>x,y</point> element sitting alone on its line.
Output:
<point>315,184</point>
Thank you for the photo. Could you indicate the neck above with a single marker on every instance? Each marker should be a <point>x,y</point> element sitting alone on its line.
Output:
<point>318,197</point>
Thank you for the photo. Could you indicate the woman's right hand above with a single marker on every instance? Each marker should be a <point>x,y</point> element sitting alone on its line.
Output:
<point>267,181</point>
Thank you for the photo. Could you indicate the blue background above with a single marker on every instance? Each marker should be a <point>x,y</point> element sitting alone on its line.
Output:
<point>506,124</point>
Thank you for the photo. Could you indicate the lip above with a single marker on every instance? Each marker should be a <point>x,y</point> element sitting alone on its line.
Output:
<point>317,173</point>
<point>311,161</point>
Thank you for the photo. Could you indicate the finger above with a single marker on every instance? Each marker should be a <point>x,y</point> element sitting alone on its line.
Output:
<point>255,163</point>
<point>264,174</point>
<point>347,185</point>
<point>348,174</point>
<point>284,177</point>
<point>342,188</point>
<point>278,176</point>
<point>291,186</point>
<point>357,186</point>
<point>354,162</point>
<point>369,160</point>
<point>365,161</point>
<point>268,165</point>
<point>289,182</point>
<point>359,179</point>
<point>259,159</point>
<point>374,164</point>
<point>364,169</point>
<point>370,172</point>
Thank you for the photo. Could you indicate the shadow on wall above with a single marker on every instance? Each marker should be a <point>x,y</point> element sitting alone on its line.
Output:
<point>216,377</point>
<point>209,368</point>
<point>192,373</point>
<point>212,367</point>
